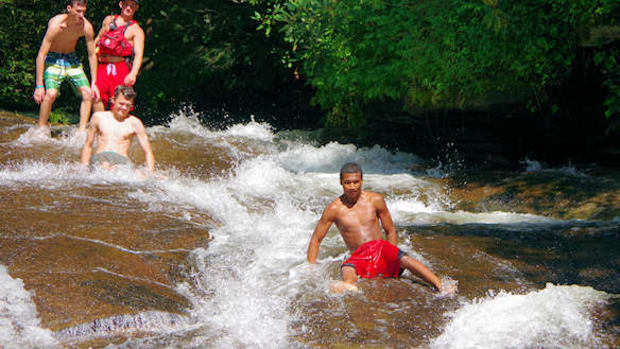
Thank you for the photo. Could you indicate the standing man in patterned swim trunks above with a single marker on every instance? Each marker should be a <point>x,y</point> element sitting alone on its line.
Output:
<point>119,39</point>
<point>57,61</point>
<point>357,213</point>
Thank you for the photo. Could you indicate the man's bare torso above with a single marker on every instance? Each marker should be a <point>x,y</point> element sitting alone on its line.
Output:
<point>359,223</point>
<point>67,34</point>
<point>114,135</point>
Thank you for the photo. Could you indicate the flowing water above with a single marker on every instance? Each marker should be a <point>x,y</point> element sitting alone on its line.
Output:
<point>212,253</point>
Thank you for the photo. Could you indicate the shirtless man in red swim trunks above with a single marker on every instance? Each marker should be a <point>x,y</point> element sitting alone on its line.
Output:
<point>357,213</point>
<point>119,39</point>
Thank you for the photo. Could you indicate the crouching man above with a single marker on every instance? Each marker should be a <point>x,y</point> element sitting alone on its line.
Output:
<point>114,131</point>
<point>357,214</point>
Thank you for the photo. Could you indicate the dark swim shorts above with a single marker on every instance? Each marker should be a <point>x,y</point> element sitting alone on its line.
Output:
<point>110,157</point>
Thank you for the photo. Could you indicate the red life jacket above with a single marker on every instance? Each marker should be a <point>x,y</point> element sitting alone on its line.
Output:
<point>113,41</point>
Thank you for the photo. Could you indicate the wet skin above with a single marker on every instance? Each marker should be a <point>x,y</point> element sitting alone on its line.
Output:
<point>357,213</point>
<point>115,131</point>
<point>62,35</point>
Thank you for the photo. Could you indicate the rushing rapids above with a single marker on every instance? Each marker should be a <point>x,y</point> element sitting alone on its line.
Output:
<point>212,254</point>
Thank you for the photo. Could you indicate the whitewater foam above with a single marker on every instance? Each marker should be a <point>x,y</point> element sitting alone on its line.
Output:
<point>263,211</point>
<point>66,174</point>
<point>145,322</point>
<point>64,136</point>
<point>554,317</point>
<point>20,326</point>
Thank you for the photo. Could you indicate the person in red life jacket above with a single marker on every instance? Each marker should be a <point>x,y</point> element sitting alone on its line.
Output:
<point>357,214</point>
<point>57,61</point>
<point>119,39</point>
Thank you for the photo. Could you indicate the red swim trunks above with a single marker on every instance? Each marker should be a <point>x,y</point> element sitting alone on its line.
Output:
<point>110,75</point>
<point>377,257</point>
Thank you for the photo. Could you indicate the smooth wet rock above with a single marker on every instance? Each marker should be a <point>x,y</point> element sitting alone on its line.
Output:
<point>96,267</point>
<point>551,193</point>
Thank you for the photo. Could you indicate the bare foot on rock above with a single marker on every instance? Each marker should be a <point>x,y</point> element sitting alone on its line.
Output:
<point>342,287</point>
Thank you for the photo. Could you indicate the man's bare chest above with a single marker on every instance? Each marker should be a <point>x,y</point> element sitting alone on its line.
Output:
<point>119,130</point>
<point>356,217</point>
<point>70,33</point>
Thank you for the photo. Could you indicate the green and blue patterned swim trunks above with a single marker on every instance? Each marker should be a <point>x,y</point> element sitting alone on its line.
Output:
<point>59,66</point>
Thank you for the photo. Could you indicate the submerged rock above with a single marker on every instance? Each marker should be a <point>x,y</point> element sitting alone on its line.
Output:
<point>552,193</point>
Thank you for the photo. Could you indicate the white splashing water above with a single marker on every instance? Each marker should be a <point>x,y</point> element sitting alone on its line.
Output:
<point>145,322</point>
<point>20,326</point>
<point>537,166</point>
<point>189,123</point>
<point>68,136</point>
<point>555,317</point>
<point>532,165</point>
<point>265,210</point>
<point>54,176</point>
<point>329,158</point>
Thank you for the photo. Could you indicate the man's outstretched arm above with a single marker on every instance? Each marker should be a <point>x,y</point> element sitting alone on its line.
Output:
<point>91,132</point>
<point>143,139</point>
<point>319,233</point>
<point>386,220</point>
<point>92,58</point>
<point>138,53</point>
<point>46,44</point>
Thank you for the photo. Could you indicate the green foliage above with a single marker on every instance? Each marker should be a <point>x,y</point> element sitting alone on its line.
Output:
<point>17,56</point>
<point>449,53</point>
<point>431,53</point>
<point>200,50</point>
<point>60,116</point>
<point>609,63</point>
<point>195,51</point>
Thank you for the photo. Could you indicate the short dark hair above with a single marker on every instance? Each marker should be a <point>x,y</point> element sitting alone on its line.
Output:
<point>350,167</point>
<point>127,92</point>
<point>80,2</point>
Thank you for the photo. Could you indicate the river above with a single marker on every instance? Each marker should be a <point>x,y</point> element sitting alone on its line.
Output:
<point>212,253</point>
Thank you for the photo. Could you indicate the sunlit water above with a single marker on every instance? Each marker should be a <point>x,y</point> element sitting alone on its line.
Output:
<point>226,226</point>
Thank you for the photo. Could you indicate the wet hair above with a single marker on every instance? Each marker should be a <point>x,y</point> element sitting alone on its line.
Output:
<point>127,91</point>
<point>79,2</point>
<point>350,167</point>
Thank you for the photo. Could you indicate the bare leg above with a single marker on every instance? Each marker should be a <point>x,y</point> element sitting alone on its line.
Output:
<point>46,107</point>
<point>85,106</point>
<point>420,270</point>
<point>349,278</point>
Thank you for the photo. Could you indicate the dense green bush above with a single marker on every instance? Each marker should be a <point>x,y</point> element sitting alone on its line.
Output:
<point>448,53</point>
